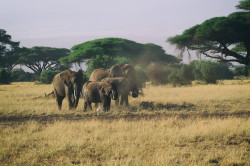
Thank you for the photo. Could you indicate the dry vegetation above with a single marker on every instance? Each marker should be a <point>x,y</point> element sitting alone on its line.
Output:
<point>196,125</point>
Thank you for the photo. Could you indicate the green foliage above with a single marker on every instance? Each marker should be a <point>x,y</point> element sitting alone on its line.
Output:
<point>181,75</point>
<point>9,51</point>
<point>118,50</point>
<point>19,75</point>
<point>244,4</point>
<point>47,76</point>
<point>214,37</point>
<point>43,58</point>
<point>210,71</point>
<point>241,71</point>
<point>184,74</point>
<point>4,76</point>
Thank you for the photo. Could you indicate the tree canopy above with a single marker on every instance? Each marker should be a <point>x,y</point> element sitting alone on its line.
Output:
<point>42,58</point>
<point>214,37</point>
<point>244,4</point>
<point>9,51</point>
<point>217,37</point>
<point>136,53</point>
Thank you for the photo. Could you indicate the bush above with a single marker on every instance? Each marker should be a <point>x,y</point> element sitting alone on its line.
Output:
<point>47,76</point>
<point>19,75</point>
<point>241,71</point>
<point>4,76</point>
<point>141,76</point>
<point>210,71</point>
<point>158,74</point>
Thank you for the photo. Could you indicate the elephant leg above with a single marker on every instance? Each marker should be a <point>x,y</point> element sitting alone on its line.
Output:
<point>90,105</point>
<point>71,104</point>
<point>124,98</point>
<point>96,105</point>
<point>117,100</point>
<point>106,104</point>
<point>59,100</point>
<point>85,106</point>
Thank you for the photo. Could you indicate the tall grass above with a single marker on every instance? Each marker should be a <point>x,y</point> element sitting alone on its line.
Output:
<point>158,141</point>
<point>28,98</point>
<point>146,142</point>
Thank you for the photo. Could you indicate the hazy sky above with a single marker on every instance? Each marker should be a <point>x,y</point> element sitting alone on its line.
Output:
<point>65,23</point>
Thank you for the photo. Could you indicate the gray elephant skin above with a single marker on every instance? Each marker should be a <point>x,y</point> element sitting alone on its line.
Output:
<point>127,71</point>
<point>130,74</point>
<point>100,74</point>
<point>122,86</point>
<point>68,84</point>
<point>100,93</point>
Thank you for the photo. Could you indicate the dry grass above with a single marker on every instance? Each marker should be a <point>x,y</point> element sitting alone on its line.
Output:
<point>147,142</point>
<point>28,98</point>
<point>158,141</point>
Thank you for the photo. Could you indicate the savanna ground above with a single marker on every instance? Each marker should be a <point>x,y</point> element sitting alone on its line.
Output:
<point>195,125</point>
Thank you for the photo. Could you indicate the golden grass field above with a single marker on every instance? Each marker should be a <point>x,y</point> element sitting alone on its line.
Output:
<point>194,125</point>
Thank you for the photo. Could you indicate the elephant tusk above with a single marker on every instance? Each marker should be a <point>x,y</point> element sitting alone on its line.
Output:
<point>75,94</point>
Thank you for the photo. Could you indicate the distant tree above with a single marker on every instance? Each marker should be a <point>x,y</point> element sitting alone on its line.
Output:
<point>244,5</point>
<point>103,61</point>
<point>9,51</point>
<point>43,58</point>
<point>135,53</point>
<point>19,75</point>
<point>47,76</point>
<point>240,70</point>
<point>210,71</point>
<point>215,37</point>
<point>4,76</point>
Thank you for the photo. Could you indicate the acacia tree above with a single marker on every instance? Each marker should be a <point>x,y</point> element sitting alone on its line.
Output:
<point>224,38</point>
<point>97,52</point>
<point>9,51</point>
<point>42,58</point>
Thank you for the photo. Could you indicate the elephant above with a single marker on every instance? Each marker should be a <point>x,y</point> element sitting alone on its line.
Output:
<point>123,91</point>
<point>130,74</point>
<point>68,83</point>
<point>99,92</point>
<point>99,74</point>
<point>125,70</point>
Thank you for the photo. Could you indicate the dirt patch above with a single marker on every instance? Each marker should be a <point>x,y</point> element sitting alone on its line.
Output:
<point>15,120</point>
<point>152,106</point>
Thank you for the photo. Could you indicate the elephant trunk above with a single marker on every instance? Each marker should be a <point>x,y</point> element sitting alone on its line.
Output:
<point>114,95</point>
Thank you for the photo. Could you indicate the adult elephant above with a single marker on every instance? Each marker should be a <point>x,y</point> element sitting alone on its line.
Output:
<point>99,93</point>
<point>125,70</point>
<point>130,74</point>
<point>100,74</point>
<point>122,87</point>
<point>68,83</point>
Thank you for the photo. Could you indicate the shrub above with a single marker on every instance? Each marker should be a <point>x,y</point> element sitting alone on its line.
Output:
<point>19,75</point>
<point>210,71</point>
<point>141,76</point>
<point>158,74</point>
<point>47,76</point>
<point>241,71</point>
<point>4,76</point>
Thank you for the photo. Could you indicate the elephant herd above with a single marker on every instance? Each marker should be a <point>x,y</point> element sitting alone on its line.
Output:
<point>104,84</point>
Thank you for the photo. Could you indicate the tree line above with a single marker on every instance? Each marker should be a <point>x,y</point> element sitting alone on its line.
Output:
<point>225,39</point>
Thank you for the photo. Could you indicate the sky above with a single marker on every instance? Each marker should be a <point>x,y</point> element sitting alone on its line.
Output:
<point>65,23</point>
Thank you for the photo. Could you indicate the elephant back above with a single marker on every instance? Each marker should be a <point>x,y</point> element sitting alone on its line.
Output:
<point>99,74</point>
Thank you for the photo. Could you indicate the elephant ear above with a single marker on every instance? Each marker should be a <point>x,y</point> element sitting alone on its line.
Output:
<point>65,76</point>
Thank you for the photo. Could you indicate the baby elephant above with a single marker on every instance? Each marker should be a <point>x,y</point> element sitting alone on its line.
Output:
<point>99,92</point>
